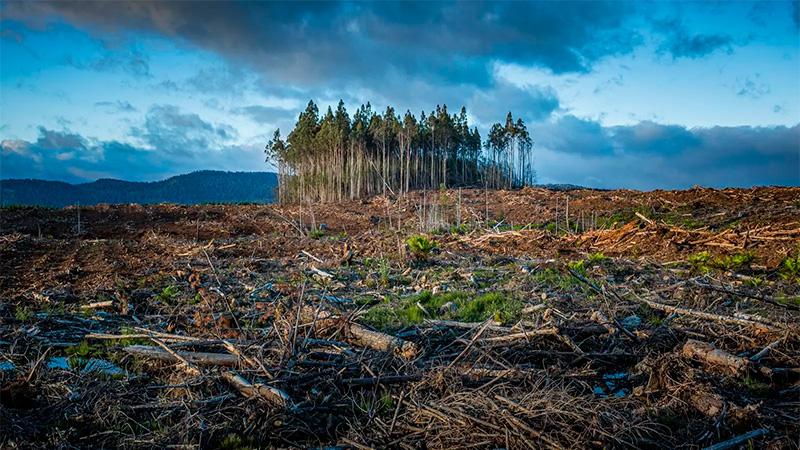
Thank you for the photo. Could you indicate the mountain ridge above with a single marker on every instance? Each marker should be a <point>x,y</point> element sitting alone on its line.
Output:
<point>196,187</point>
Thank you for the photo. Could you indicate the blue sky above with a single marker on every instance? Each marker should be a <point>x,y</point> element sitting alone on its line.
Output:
<point>624,94</point>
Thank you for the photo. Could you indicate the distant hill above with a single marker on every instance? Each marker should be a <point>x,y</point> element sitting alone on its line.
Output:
<point>196,187</point>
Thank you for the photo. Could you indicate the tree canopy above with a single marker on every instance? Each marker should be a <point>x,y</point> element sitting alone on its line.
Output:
<point>335,157</point>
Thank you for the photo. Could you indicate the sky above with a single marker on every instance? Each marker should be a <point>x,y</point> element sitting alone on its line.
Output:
<point>640,95</point>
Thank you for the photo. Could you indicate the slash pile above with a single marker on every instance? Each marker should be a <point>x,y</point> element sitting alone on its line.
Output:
<point>156,340</point>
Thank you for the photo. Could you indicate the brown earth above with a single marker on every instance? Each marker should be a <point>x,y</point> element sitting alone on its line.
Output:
<point>244,272</point>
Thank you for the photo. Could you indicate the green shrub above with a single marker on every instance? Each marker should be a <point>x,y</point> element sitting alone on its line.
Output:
<point>421,246</point>
<point>169,295</point>
<point>597,257</point>
<point>741,260</point>
<point>467,307</point>
<point>23,313</point>
<point>699,261</point>
<point>578,267</point>
<point>790,269</point>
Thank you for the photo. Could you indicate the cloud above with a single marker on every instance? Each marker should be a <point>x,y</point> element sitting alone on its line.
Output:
<point>681,43</point>
<point>751,87</point>
<point>263,114</point>
<point>133,63</point>
<point>653,156</point>
<point>306,43</point>
<point>170,131</point>
<point>65,156</point>
<point>533,103</point>
<point>116,107</point>
<point>218,80</point>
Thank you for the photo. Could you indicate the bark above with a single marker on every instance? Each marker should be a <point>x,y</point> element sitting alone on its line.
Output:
<point>268,393</point>
<point>706,353</point>
<point>355,333</point>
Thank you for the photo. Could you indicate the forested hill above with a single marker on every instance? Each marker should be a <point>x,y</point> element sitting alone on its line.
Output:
<point>196,187</point>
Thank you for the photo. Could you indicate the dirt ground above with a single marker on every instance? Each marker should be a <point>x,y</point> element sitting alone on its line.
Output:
<point>540,319</point>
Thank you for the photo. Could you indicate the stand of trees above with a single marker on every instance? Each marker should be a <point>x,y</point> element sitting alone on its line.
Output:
<point>336,157</point>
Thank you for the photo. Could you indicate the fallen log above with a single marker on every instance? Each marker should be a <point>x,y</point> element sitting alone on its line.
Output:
<point>272,395</point>
<point>735,442</point>
<point>198,358</point>
<point>355,333</point>
<point>552,331</point>
<point>706,353</point>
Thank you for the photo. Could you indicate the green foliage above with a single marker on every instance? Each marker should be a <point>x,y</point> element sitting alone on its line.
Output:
<point>790,269</point>
<point>316,234</point>
<point>702,262</point>
<point>755,281</point>
<point>741,260</point>
<point>78,363</point>
<point>553,278</point>
<point>578,267</point>
<point>597,257</point>
<point>648,314</point>
<point>169,295</point>
<point>467,308</point>
<point>236,442</point>
<point>421,246</point>
<point>756,386</point>
<point>132,341</point>
<point>699,261</point>
<point>86,350</point>
<point>385,272</point>
<point>23,313</point>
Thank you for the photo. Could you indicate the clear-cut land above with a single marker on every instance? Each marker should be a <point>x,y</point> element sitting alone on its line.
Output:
<point>444,319</point>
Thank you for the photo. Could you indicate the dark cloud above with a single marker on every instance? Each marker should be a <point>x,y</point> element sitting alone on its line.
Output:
<point>133,63</point>
<point>681,43</point>
<point>652,156</point>
<point>118,106</point>
<point>306,42</point>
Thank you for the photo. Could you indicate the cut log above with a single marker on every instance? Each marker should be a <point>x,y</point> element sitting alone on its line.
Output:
<point>706,353</point>
<point>272,395</point>
<point>198,358</point>
<point>355,333</point>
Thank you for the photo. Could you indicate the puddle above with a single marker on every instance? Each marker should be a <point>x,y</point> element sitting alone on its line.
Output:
<point>6,365</point>
<point>86,365</point>
<point>613,385</point>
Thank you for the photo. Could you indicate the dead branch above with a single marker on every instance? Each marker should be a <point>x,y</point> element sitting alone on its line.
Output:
<point>198,358</point>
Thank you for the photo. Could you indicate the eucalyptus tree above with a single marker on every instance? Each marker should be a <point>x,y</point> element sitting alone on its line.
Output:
<point>336,157</point>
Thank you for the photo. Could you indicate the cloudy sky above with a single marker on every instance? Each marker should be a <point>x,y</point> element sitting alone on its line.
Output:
<point>623,94</point>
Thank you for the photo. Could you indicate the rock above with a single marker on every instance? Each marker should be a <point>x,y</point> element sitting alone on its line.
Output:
<point>447,307</point>
<point>631,322</point>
